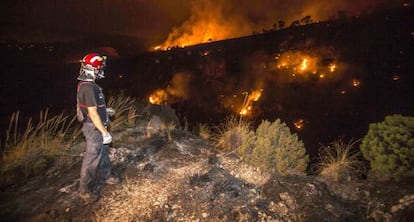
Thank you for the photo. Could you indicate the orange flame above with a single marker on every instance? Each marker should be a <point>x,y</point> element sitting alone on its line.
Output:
<point>332,67</point>
<point>299,124</point>
<point>249,99</point>
<point>396,77</point>
<point>297,61</point>
<point>158,97</point>
<point>304,64</point>
<point>356,82</point>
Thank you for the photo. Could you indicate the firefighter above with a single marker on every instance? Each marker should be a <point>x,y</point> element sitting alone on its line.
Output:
<point>94,115</point>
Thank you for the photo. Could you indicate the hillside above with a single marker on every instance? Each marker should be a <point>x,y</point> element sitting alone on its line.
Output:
<point>184,178</point>
<point>371,57</point>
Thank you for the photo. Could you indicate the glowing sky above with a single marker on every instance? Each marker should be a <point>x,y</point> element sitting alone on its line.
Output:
<point>154,20</point>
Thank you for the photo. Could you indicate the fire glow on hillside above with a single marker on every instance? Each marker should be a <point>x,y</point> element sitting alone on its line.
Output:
<point>305,64</point>
<point>316,65</point>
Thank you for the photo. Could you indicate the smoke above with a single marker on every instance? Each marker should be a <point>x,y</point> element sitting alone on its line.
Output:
<point>179,86</point>
<point>177,90</point>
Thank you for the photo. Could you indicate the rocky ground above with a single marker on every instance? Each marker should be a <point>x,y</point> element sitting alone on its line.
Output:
<point>182,177</point>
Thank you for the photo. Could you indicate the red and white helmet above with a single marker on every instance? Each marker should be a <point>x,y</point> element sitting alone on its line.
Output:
<point>92,67</point>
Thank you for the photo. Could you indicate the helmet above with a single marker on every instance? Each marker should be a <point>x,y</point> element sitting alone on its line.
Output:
<point>92,67</point>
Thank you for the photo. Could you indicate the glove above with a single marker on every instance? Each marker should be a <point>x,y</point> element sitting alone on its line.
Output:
<point>110,111</point>
<point>107,138</point>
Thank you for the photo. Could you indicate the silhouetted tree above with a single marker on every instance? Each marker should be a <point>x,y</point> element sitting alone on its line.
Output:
<point>306,20</point>
<point>342,14</point>
<point>281,24</point>
<point>295,23</point>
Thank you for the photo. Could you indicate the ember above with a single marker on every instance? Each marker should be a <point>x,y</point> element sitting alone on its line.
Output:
<point>396,77</point>
<point>332,67</point>
<point>356,82</point>
<point>299,124</point>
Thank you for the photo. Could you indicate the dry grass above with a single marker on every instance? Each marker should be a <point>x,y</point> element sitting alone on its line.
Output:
<point>231,135</point>
<point>169,128</point>
<point>126,113</point>
<point>204,131</point>
<point>30,150</point>
<point>338,161</point>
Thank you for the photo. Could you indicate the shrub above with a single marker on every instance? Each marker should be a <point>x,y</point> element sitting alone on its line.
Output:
<point>339,161</point>
<point>232,134</point>
<point>389,147</point>
<point>274,149</point>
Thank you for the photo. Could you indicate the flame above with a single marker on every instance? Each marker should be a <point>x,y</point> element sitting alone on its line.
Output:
<point>202,31</point>
<point>332,67</point>
<point>297,61</point>
<point>304,64</point>
<point>178,89</point>
<point>299,124</point>
<point>247,108</point>
<point>205,53</point>
<point>158,47</point>
<point>356,82</point>
<point>160,96</point>
<point>396,77</point>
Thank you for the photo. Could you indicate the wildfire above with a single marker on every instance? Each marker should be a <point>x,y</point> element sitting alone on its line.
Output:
<point>247,108</point>
<point>176,90</point>
<point>297,62</point>
<point>299,124</point>
<point>332,67</point>
<point>356,82</point>
<point>304,64</point>
<point>158,97</point>
<point>396,77</point>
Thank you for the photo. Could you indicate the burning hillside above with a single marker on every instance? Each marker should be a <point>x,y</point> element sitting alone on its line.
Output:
<point>261,73</point>
<point>218,19</point>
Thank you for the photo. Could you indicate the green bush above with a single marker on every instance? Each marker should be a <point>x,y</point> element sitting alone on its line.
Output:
<point>389,147</point>
<point>273,148</point>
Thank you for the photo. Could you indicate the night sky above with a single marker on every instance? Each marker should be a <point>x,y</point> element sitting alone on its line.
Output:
<point>153,20</point>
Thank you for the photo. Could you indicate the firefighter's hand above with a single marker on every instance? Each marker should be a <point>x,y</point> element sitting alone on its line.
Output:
<point>110,111</point>
<point>107,138</point>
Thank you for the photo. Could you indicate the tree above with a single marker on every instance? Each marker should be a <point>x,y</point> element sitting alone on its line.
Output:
<point>281,24</point>
<point>389,147</point>
<point>273,148</point>
<point>306,20</point>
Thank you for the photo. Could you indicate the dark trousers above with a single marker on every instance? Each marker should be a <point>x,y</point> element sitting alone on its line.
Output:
<point>96,166</point>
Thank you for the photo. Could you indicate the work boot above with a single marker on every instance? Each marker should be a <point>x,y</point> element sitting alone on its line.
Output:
<point>89,197</point>
<point>112,180</point>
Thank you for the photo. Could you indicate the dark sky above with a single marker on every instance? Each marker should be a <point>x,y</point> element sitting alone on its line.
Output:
<point>153,20</point>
